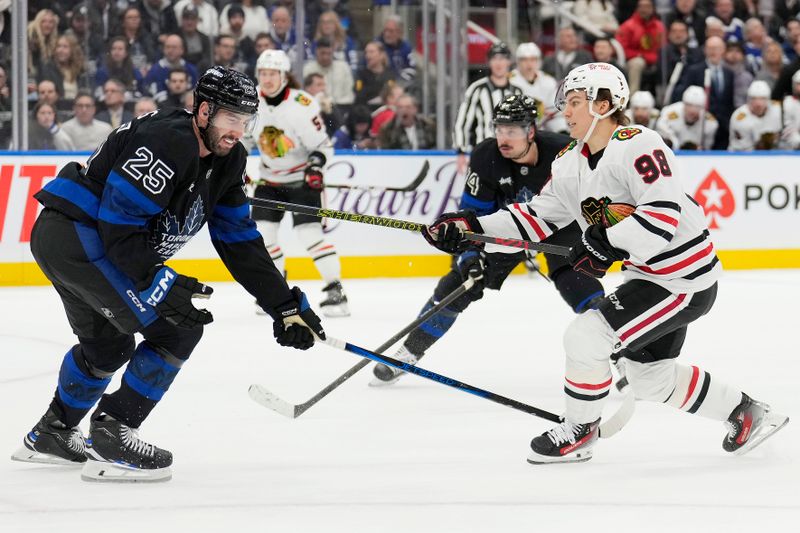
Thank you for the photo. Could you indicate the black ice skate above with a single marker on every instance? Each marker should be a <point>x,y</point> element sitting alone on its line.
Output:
<point>565,443</point>
<point>335,302</point>
<point>116,453</point>
<point>750,424</point>
<point>386,375</point>
<point>51,442</point>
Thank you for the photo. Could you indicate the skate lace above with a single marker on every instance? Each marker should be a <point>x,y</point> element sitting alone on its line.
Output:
<point>733,429</point>
<point>566,431</point>
<point>76,442</point>
<point>131,439</point>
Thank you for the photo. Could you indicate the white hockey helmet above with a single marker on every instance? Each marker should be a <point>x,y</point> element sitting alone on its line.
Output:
<point>759,89</point>
<point>274,60</point>
<point>528,50</point>
<point>642,99</point>
<point>694,95</point>
<point>592,77</point>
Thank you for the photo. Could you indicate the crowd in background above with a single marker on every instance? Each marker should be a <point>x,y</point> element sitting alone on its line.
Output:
<point>721,65</point>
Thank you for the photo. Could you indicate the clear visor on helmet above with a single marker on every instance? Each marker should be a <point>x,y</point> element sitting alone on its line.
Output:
<point>510,131</point>
<point>560,102</point>
<point>225,119</point>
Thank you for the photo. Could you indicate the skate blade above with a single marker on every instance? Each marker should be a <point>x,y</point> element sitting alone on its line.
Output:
<point>771,424</point>
<point>335,311</point>
<point>377,382</point>
<point>260,311</point>
<point>102,472</point>
<point>24,455</point>
<point>578,457</point>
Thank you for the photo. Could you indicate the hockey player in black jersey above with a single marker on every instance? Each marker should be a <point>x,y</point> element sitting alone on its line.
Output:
<point>102,239</point>
<point>511,167</point>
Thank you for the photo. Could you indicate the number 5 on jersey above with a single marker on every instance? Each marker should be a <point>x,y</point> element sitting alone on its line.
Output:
<point>153,173</point>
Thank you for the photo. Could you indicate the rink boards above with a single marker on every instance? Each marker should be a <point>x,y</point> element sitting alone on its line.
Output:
<point>751,201</point>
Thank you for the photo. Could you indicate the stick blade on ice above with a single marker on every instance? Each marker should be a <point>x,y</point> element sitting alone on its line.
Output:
<point>264,397</point>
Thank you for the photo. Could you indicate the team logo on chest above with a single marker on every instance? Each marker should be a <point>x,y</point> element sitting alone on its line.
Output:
<point>169,237</point>
<point>273,142</point>
<point>604,211</point>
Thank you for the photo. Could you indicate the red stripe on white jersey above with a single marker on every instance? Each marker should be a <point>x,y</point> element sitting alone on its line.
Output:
<point>662,217</point>
<point>651,318</point>
<point>531,222</point>
<point>694,258</point>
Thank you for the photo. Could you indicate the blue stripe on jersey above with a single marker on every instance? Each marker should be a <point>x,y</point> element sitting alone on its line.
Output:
<point>76,389</point>
<point>232,214</point>
<point>126,289</point>
<point>76,194</point>
<point>149,374</point>
<point>121,195</point>
<point>481,207</point>
<point>120,217</point>
<point>233,236</point>
<point>232,224</point>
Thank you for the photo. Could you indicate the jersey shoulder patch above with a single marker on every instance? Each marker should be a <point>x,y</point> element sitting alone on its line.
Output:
<point>623,134</point>
<point>302,99</point>
<point>741,115</point>
<point>673,115</point>
<point>710,117</point>
<point>567,148</point>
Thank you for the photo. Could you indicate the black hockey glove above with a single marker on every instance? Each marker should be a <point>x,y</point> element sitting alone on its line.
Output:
<point>447,232</point>
<point>170,294</point>
<point>313,173</point>
<point>594,255</point>
<point>298,325</point>
<point>472,264</point>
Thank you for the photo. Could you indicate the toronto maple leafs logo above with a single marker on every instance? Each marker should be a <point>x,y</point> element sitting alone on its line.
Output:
<point>524,195</point>
<point>169,237</point>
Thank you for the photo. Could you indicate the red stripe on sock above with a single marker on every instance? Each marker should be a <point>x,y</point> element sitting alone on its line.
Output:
<point>590,386</point>
<point>692,385</point>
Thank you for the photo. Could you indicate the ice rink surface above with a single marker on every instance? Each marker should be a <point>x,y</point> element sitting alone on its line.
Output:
<point>417,456</point>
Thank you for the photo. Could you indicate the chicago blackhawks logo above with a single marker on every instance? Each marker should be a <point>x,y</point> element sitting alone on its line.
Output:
<point>716,198</point>
<point>303,99</point>
<point>626,133</point>
<point>168,236</point>
<point>274,142</point>
<point>567,148</point>
<point>604,211</point>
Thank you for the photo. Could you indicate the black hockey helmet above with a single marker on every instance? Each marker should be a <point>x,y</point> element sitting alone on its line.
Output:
<point>226,88</point>
<point>517,109</point>
<point>499,48</point>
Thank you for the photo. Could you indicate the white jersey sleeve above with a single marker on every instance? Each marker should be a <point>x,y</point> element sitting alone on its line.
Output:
<point>311,129</point>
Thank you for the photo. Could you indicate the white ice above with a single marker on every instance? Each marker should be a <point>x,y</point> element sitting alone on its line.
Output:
<point>418,456</point>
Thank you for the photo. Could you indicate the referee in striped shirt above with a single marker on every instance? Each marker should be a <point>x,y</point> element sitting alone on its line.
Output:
<point>474,120</point>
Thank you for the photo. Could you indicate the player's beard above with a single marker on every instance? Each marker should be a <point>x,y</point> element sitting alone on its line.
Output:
<point>213,141</point>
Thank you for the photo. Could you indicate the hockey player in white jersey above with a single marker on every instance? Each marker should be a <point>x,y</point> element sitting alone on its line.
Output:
<point>622,184</point>
<point>294,151</point>
<point>539,85</point>
<point>643,109</point>
<point>683,125</point>
<point>758,124</point>
<point>791,116</point>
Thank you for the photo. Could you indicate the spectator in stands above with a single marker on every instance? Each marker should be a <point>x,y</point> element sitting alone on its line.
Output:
<point>316,8</point>
<point>407,130</point>
<point>539,85</point>
<point>158,18</point>
<point>244,51</point>
<point>256,19</point>
<point>225,51</point>
<point>208,17</point>
<point>104,17</point>
<point>758,124</point>
<point>686,125</point>
<point>677,55</point>
<point>374,76</point>
<point>67,68</point>
<point>688,12</point>
<point>177,85</point>
<point>386,112</point>
<point>641,37</point>
<point>5,110</point>
<point>742,77</point>
<point>784,84</point>
<point>791,116</point>
<point>47,92</point>
<point>188,101</point>
<point>42,40</point>
<point>355,134</point>
<point>734,27</point>
<point>144,105</point>
<point>792,31</point>
<point>314,84</point>
<point>643,109</point>
<point>603,51</point>
<point>598,12</point>
<point>398,50</point>
<point>338,76</point>
<point>141,45</point>
<point>85,131</point>
<point>282,32</point>
<point>721,88</point>
<point>771,65</point>
<point>755,40</point>
<point>156,79</point>
<point>44,133</point>
<point>117,64</point>
<point>79,27</point>
<point>568,55</point>
<point>715,28</point>
<point>344,48</point>
<point>198,44</point>
<point>114,100</point>
<point>262,42</point>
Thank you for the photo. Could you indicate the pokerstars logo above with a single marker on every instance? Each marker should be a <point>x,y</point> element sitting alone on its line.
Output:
<point>716,198</point>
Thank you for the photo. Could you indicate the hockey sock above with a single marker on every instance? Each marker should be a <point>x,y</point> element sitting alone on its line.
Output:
<point>269,230</point>
<point>578,290</point>
<point>323,253</point>
<point>147,377</point>
<point>430,331</point>
<point>695,392</point>
<point>77,390</point>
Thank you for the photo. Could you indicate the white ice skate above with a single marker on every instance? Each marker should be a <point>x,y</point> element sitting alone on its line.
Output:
<point>335,302</point>
<point>386,375</point>
<point>751,423</point>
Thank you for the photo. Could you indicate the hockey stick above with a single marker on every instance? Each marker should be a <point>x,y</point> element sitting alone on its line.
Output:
<point>408,188</point>
<point>607,429</point>
<point>264,397</point>
<point>406,225</point>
